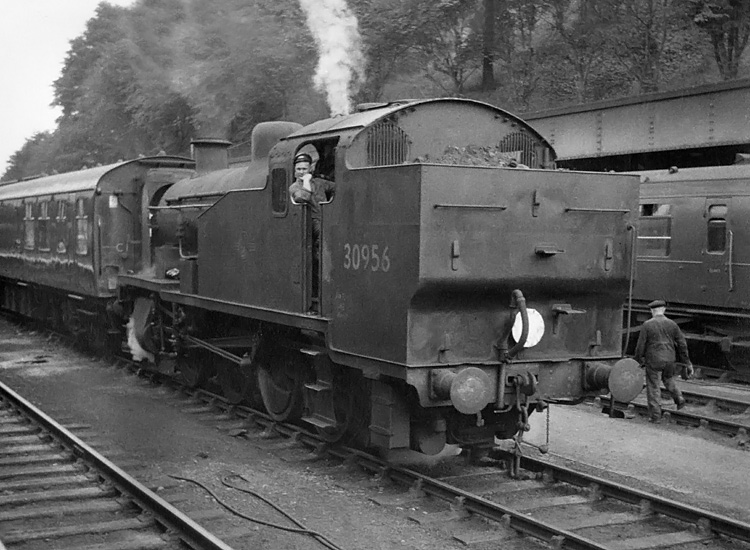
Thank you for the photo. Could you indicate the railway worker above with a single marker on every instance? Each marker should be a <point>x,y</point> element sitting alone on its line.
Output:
<point>661,346</point>
<point>309,190</point>
<point>312,191</point>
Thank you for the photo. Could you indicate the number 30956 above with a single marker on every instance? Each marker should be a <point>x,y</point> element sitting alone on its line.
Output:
<point>366,256</point>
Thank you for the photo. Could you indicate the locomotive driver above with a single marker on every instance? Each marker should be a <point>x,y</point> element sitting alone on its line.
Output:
<point>660,344</point>
<point>309,190</point>
<point>312,191</point>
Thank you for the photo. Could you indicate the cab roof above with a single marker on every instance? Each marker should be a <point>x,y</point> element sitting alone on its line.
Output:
<point>371,113</point>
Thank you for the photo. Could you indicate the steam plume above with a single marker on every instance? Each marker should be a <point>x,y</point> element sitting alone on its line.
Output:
<point>340,67</point>
<point>138,353</point>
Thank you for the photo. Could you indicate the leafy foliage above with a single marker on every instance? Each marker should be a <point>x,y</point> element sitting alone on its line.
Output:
<point>148,78</point>
<point>727,23</point>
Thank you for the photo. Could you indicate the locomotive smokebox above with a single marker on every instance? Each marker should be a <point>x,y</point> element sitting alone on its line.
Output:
<point>210,154</point>
<point>624,379</point>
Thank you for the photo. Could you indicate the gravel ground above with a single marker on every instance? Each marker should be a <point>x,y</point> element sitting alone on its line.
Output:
<point>149,425</point>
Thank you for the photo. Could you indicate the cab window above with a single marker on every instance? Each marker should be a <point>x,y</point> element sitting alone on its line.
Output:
<point>279,192</point>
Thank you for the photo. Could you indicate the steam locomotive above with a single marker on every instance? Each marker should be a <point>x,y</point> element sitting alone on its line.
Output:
<point>462,282</point>
<point>694,253</point>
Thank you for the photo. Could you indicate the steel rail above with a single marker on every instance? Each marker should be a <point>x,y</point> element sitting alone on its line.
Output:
<point>729,404</point>
<point>475,504</point>
<point>684,418</point>
<point>185,528</point>
<point>703,519</point>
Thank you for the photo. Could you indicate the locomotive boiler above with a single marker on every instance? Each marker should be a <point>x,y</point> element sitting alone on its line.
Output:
<point>449,296</point>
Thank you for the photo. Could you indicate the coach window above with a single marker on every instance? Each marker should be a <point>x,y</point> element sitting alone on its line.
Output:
<point>717,229</point>
<point>61,210</point>
<point>82,228</point>
<point>279,192</point>
<point>62,231</point>
<point>655,230</point>
<point>43,225</point>
<point>29,227</point>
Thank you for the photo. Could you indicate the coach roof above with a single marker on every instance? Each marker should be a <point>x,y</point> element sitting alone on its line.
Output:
<point>77,181</point>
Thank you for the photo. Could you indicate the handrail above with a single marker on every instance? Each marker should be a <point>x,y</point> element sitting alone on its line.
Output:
<point>181,206</point>
<point>730,260</point>
<point>600,210</point>
<point>631,279</point>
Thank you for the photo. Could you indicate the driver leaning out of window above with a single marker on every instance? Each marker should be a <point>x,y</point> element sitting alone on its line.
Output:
<point>310,190</point>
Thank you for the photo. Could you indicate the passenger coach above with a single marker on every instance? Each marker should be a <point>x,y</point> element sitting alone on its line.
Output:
<point>694,253</point>
<point>64,239</point>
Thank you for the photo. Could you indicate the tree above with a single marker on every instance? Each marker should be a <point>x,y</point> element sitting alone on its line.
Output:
<point>524,24</point>
<point>488,44</point>
<point>583,28</point>
<point>390,33</point>
<point>727,23</point>
<point>29,159</point>
<point>449,42</point>
<point>103,29</point>
<point>642,36</point>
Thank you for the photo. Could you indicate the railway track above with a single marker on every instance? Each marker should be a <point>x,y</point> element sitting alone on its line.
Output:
<point>721,375</point>
<point>58,492</point>
<point>723,408</point>
<point>481,505</point>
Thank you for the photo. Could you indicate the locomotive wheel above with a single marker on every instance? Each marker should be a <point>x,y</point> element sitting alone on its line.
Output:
<point>281,388</point>
<point>236,381</point>
<point>239,382</point>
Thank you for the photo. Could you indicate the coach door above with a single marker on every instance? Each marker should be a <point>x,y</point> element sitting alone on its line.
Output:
<point>720,249</point>
<point>119,233</point>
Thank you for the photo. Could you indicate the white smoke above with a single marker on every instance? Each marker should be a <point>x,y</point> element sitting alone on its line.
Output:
<point>341,63</point>
<point>138,353</point>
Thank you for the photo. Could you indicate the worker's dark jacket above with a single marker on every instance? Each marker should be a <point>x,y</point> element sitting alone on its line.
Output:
<point>661,343</point>
<point>322,191</point>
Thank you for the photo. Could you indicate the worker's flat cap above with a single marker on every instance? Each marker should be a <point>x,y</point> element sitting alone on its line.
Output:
<point>657,303</point>
<point>303,157</point>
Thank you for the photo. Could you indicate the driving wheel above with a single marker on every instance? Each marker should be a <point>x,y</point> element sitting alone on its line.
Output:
<point>281,386</point>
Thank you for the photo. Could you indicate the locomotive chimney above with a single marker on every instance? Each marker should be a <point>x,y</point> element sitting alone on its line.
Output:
<point>210,154</point>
